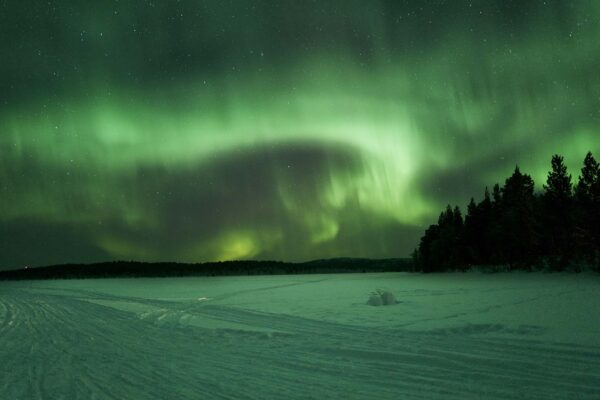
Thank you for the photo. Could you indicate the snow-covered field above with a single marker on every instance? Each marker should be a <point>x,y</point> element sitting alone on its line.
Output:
<point>451,336</point>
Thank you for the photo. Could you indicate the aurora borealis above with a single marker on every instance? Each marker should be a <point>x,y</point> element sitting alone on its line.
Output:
<point>213,130</point>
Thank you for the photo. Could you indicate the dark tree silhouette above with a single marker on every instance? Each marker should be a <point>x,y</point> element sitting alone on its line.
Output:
<point>120,269</point>
<point>517,222</point>
<point>587,213</point>
<point>441,247</point>
<point>495,233</point>
<point>557,215</point>
<point>477,231</point>
<point>473,234</point>
<point>519,228</point>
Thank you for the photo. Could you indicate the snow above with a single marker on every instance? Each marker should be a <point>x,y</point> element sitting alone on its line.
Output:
<point>446,336</point>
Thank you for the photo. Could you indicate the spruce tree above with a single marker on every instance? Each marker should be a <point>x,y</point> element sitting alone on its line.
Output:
<point>587,216</point>
<point>556,219</point>
<point>519,239</point>
<point>558,185</point>
<point>471,232</point>
<point>588,178</point>
<point>485,216</point>
<point>457,245</point>
<point>495,232</point>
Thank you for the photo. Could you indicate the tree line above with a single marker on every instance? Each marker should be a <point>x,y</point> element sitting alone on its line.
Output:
<point>557,228</point>
<point>133,269</point>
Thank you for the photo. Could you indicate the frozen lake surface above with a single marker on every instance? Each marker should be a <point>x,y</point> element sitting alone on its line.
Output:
<point>450,336</point>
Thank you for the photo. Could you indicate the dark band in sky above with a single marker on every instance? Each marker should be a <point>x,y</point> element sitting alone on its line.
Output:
<point>214,130</point>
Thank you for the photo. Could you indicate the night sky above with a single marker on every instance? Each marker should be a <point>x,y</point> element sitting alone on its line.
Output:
<point>294,130</point>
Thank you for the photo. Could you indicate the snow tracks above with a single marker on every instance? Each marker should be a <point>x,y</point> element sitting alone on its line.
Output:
<point>76,345</point>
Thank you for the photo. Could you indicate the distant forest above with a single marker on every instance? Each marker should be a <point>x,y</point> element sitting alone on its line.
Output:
<point>132,269</point>
<point>515,227</point>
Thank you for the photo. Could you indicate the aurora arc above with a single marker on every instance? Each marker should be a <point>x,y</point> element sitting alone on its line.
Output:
<point>232,130</point>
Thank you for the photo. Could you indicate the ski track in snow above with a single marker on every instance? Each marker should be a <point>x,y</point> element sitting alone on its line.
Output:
<point>65,344</point>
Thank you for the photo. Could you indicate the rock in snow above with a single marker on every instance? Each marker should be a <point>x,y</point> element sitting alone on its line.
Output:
<point>381,298</point>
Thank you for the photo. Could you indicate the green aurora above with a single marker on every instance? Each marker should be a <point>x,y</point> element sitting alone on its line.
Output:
<point>213,130</point>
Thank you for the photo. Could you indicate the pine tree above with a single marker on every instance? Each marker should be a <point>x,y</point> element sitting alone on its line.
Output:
<point>457,219</point>
<point>558,185</point>
<point>556,219</point>
<point>495,233</point>
<point>588,178</point>
<point>587,216</point>
<point>428,254</point>
<point>485,215</point>
<point>519,239</point>
<point>446,241</point>
<point>477,231</point>
<point>473,234</point>
<point>457,245</point>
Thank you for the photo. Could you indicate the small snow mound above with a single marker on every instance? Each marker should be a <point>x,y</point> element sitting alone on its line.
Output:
<point>381,298</point>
